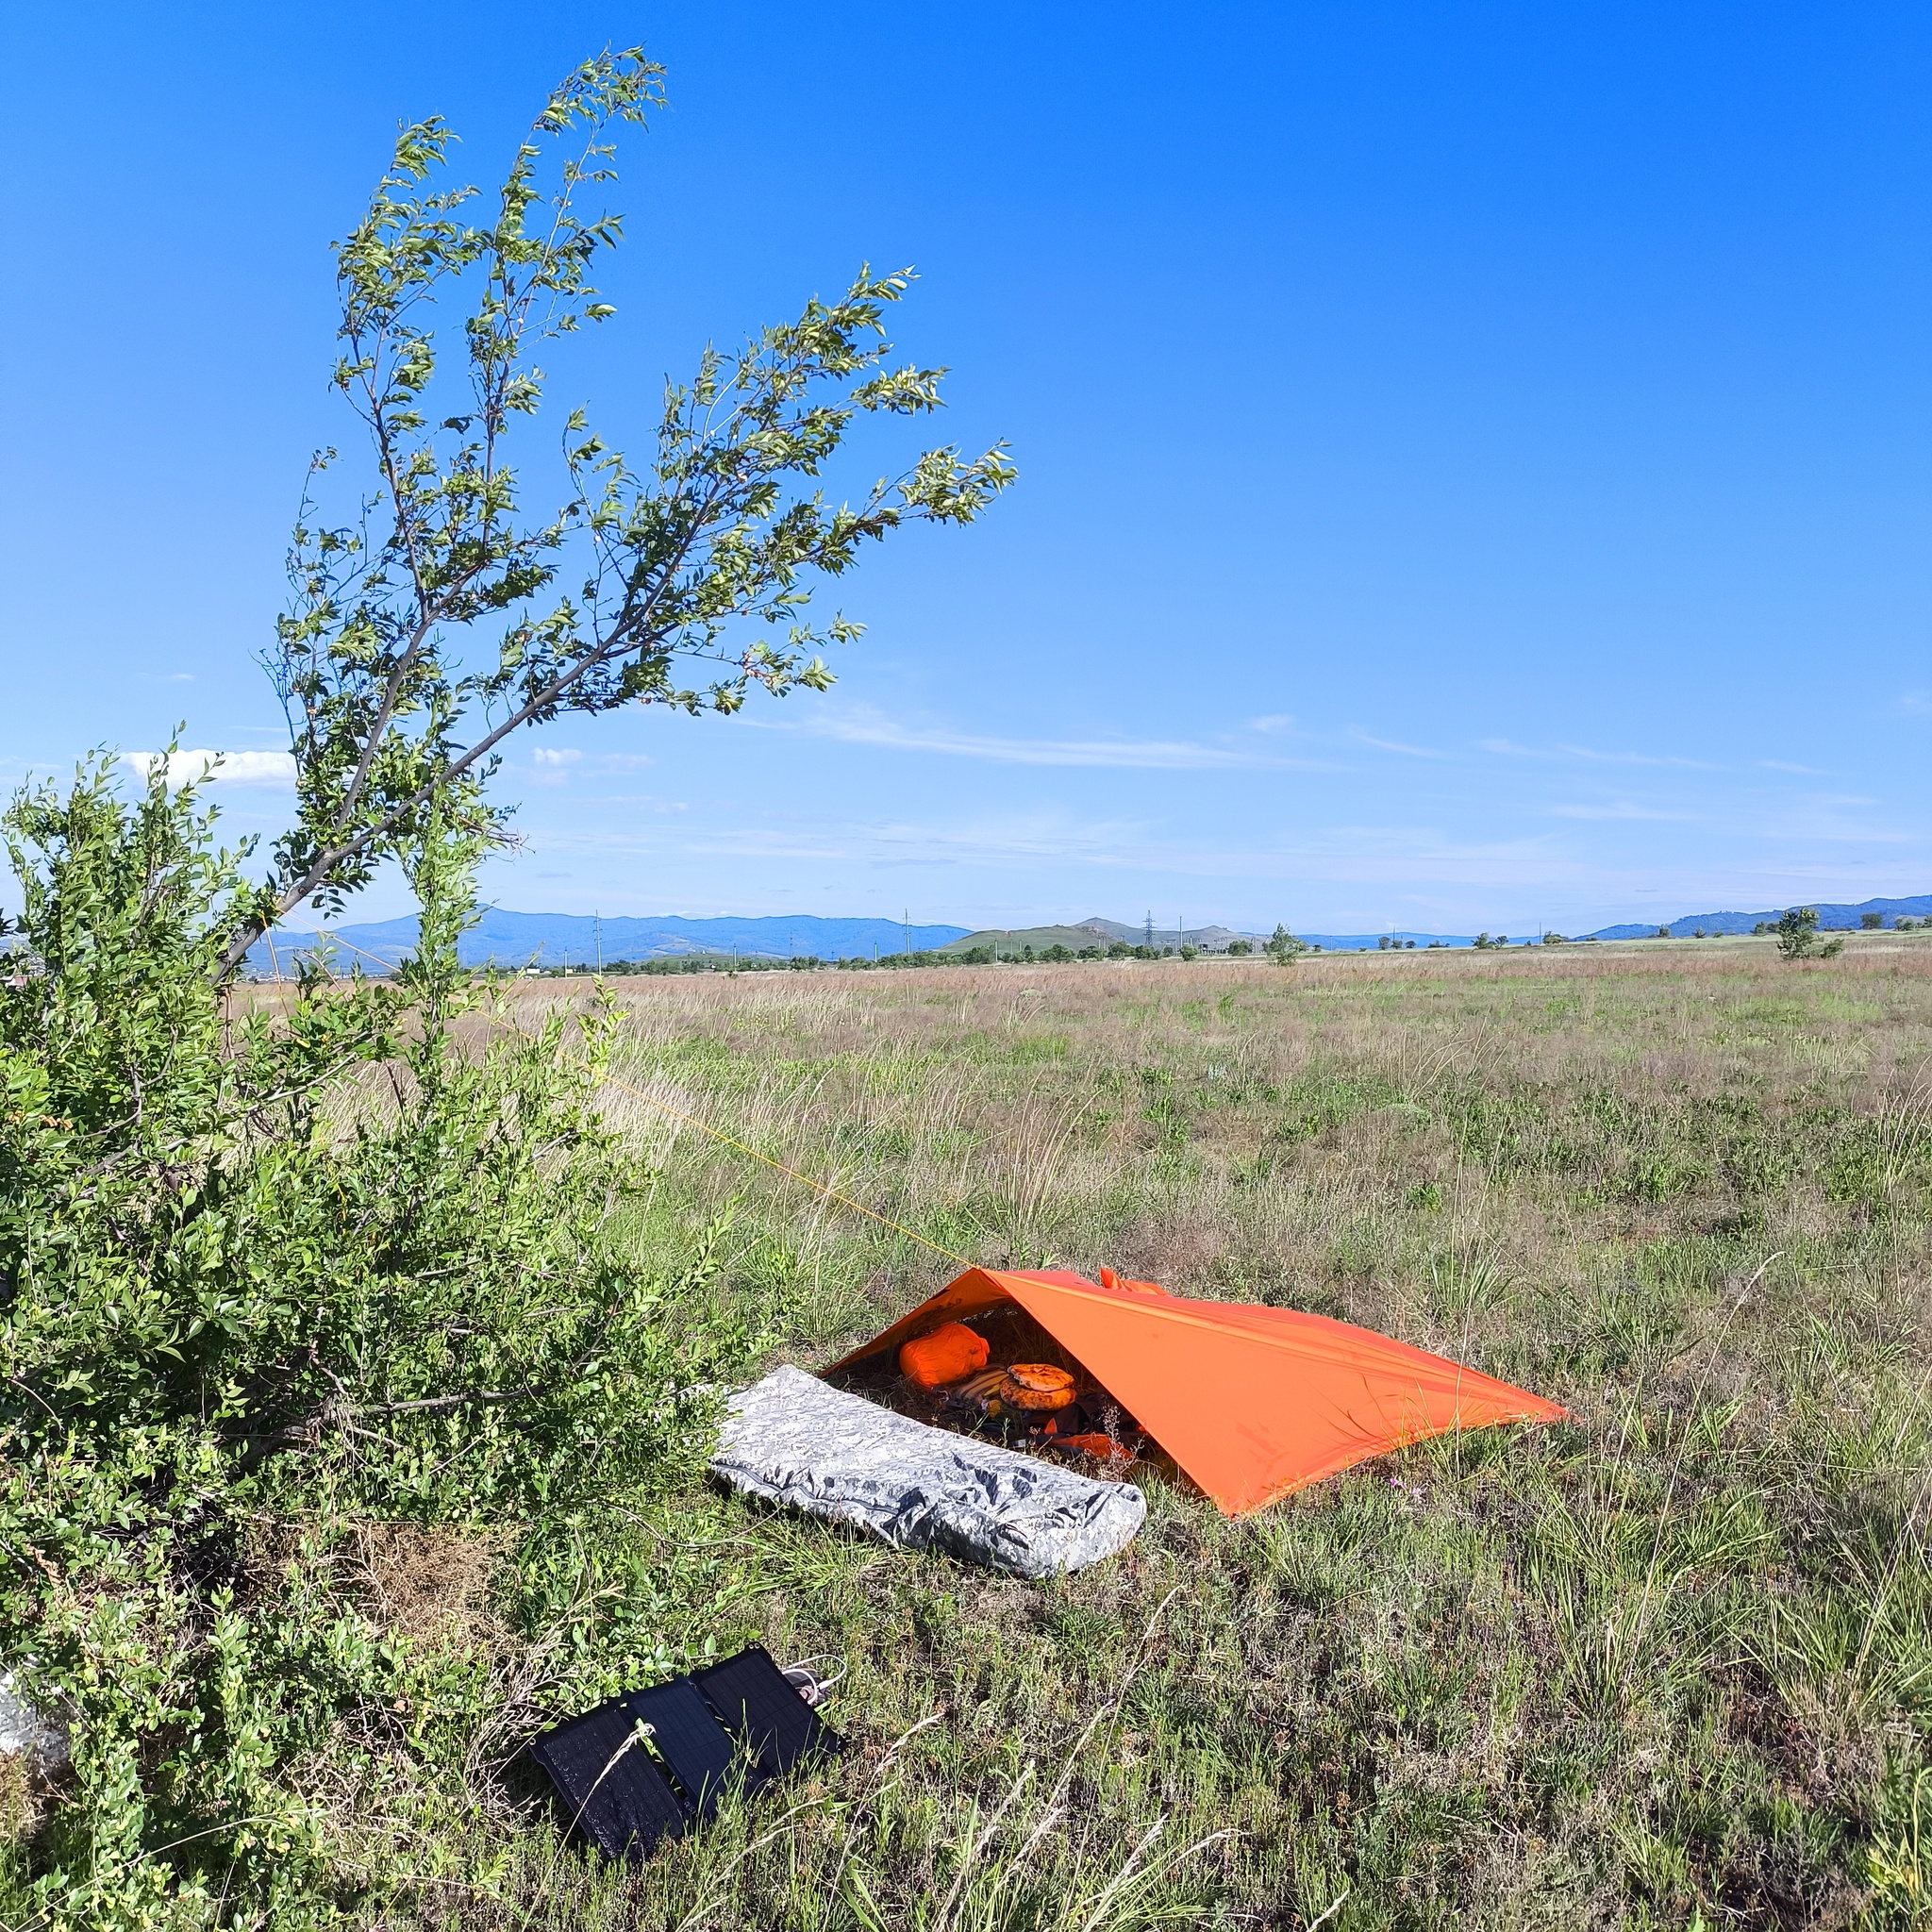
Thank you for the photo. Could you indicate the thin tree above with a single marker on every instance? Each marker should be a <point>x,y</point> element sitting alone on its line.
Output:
<point>1797,934</point>
<point>438,618</point>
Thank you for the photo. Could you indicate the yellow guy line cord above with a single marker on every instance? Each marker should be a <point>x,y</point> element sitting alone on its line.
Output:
<point>817,1186</point>
<point>705,1127</point>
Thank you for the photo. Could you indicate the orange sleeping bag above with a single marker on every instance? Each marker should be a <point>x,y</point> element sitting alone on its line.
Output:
<point>949,1354</point>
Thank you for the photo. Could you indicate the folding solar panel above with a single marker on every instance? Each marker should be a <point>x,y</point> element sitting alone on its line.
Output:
<point>611,1788</point>
<point>740,1720</point>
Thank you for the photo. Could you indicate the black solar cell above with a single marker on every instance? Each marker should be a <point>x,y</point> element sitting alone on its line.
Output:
<point>612,1791</point>
<point>690,1740</point>
<point>749,1692</point>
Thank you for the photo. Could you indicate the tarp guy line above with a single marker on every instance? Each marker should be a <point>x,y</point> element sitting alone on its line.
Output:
<point>703,1128</point>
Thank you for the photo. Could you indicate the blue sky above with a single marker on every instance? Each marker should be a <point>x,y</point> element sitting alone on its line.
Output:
<point>1473,458</point>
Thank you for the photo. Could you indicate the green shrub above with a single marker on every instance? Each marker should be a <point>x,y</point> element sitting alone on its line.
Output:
<point>1797,936</point>
<point>253,1300</point>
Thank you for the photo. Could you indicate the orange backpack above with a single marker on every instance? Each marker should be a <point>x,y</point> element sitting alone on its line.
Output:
<point>947,1354</point>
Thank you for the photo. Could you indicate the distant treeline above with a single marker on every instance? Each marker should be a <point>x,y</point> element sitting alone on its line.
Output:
<point>805,963</point>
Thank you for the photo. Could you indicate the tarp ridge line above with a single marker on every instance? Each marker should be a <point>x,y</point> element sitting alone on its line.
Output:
<point>1175,1308</point>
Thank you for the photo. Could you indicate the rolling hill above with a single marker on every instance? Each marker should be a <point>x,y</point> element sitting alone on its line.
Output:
<point>507,938</point>
<point>1831,918</point>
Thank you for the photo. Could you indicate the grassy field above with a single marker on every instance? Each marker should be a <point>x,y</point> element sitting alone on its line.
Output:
<point>1666,1665</point>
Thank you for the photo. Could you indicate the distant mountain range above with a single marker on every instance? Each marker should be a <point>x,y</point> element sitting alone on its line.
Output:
<point>1831,918</point>
<point>514,940</point>
<point>560,939</point>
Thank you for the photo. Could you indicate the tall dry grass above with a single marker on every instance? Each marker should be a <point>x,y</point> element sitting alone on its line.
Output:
<point>1665,1665</point>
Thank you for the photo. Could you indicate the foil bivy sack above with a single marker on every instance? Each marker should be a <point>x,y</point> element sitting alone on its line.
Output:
<point>789,1439</point>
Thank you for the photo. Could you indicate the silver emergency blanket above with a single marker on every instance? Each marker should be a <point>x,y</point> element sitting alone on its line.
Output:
<point>24,1729</point>
<point>791,1439</point>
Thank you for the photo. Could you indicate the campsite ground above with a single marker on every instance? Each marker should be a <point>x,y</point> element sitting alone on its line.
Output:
<point>1664,1665</point>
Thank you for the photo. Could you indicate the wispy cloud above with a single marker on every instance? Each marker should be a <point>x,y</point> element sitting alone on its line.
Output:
<point>1275,722</point>
<point>552,764</point>
<point>1408,750</point>
<point>1583,754</point>
<point>1127,753</point>
<point>996,841</point>
<point>1826,818</point>
<point>1334,877</point>
<point>1779,765</point>
<point>221,767</point>
<point>1624,809</point>
<point>1011,843</point>
<point>1917,702</point>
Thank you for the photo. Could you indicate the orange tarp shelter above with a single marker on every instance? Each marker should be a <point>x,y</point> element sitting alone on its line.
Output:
<point>1252,1402</point>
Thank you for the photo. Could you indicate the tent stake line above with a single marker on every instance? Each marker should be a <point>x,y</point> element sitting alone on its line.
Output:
<point>692,1120</point>
<point>776,1166</point>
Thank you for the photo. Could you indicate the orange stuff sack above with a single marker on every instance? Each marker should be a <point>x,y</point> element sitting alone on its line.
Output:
<point>949,1354</point>
<point>1036,1385</point>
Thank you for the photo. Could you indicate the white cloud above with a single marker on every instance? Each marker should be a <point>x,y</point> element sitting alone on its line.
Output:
<point>1779,765</point>
<point>234,767</point>
<point>1637,758</point>
<point>1350,854</point>
<point>1622,810</point>
<point>1505,747</point>
<point>1128,754</point>
<point>1408,750</point>
<point>1331,878</point>
<point>553,764</point>
<point>1276,721</point>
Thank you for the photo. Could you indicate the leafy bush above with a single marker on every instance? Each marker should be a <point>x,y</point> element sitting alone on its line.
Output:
<point>1283,948</point>
<point>1797,936</point>
<point>252,1297</point>
<point>275,1268</point>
